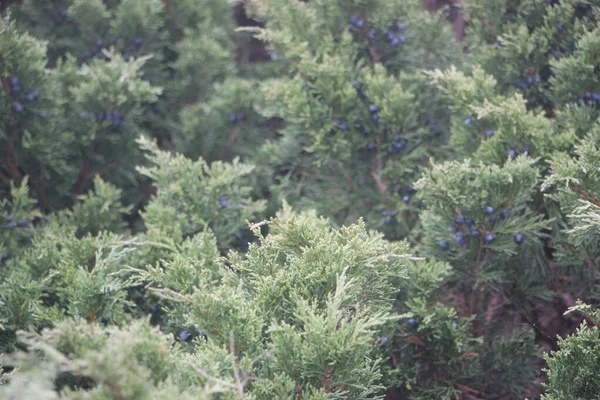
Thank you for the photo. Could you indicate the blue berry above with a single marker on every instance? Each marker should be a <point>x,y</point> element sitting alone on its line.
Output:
<point>413,323</point>
<point>233,118</point>
<point>343,127</point>
<point>401,27</point>
<point>375,117</point>
<point>360,23</point>
<point>489,210</point>
<point>10,225</point>
<point>32,96</point>
<point>400,145</point>
<point>18,107</point>
<point>504,214</point>
<point>402,39</point>
<point>138,41</point>
<point>489,238</point>
<point>460,220</point>
<point>372,108</point>
<point>493,219</point>
<point>525,151</point>
<point>185,336</point>
<point>519,238</point>
<point>474,233</point>
<point>459,239</point>
<point>353,19</point>
<point>9,218</point>
<point>406,199</point>
<point>382,341</point>
<point>155,310</point>
<point>16,88</point>
<point>116,118</point>
<point>490,133</point>
<point>468,121</point>
<point>411,190</point>
<point>21,223</point>
<point>223,202</point>
<point>5,256</point>
<point>99,43</point>
<point>14,80</point>
<point>371,147</point>
<point>530,81</point>
<point>512,153</point>
<point>560,28</point>
<point>455,325</point>
<point>444,245</point>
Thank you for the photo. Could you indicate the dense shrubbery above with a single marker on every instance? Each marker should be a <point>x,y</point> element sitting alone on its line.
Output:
<point>364,208</point>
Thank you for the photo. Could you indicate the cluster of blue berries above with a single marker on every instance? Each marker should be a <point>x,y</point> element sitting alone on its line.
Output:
<point>512,153</point>
<point>488,133</point>
<point>397,145</point>
<point>373,111</point>
<point>462,227</point>
<point>528,82</point>
<point>98,46</point>
<point>189,335</point>
<point>235,117</point>
<point>134,47</point>
<point>15,87</point>
<point>10,224</point>
<point>589,99</point>
<point>393,36</point>
<point>390,216</point>
<point>357,22</point>
<point>114,118</point>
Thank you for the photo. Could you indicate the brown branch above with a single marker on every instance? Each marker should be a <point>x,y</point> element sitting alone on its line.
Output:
<point>4,178</point>
<point>584,194</point>
<point>298,391</point>
<point>364,34</point>
<point>236,373</point>
<point>84,172</point>
<point>14,171</point>
<point>114,389</point>
<point>171,15</point>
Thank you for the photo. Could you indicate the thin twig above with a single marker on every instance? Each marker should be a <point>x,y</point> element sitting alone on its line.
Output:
<point>584,194</point>
<point>236,373</point>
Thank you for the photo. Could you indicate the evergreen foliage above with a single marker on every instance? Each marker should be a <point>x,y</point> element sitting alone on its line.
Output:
<point>332,200</point>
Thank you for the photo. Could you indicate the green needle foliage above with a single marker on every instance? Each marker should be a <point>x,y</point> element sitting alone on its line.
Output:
<point>304,200</point>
